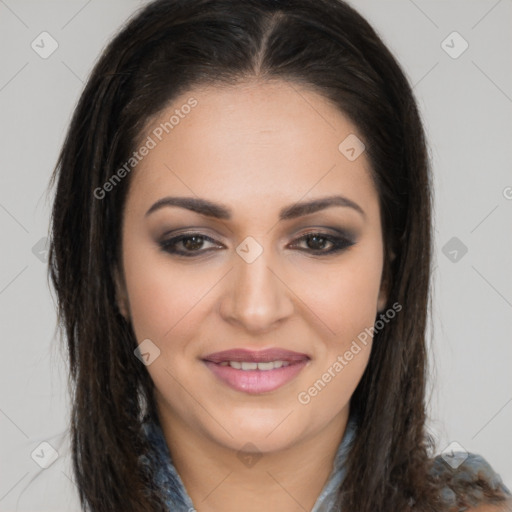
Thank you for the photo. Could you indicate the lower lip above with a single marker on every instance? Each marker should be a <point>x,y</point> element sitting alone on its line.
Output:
<point>256,381</point>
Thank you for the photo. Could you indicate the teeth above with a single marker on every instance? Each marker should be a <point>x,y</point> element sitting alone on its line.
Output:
<point>252,365</point>
<point>265,366</point>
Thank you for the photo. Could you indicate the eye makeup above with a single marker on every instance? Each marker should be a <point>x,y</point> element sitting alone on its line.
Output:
<point>316,241</point>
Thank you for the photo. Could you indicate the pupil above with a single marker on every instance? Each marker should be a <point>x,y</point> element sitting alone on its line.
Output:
<point>320,245</point>
<point>194,245</point>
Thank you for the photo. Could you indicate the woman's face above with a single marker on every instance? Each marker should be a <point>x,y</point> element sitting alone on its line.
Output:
<point>249,159</point>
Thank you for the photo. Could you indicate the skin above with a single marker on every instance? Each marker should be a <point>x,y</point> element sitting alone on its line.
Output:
<point>255,147</point>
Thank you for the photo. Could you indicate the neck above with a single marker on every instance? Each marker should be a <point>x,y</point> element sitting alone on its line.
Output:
<point>218,478</point>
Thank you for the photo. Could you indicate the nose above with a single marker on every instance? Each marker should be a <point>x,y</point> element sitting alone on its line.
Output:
<point>256,296</point>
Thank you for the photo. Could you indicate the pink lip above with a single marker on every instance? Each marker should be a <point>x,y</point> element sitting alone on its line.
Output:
<point>256,381</point>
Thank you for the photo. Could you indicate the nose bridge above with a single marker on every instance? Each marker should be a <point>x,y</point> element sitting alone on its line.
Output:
<point>256,297</point>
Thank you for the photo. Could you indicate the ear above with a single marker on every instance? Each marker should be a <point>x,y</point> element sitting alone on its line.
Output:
<point>121,294</point>
<point>385,284</point>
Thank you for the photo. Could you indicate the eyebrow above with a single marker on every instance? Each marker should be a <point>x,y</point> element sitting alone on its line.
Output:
<point>220,211</point>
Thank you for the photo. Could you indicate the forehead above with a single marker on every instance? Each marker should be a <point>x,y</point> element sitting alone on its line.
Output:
<point>249,143</point>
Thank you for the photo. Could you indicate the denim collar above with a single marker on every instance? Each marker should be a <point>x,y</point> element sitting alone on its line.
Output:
<point>167,480</point>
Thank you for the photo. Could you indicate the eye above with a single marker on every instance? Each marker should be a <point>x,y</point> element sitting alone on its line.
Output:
<point>317,242</point>
<point>187,244</point>
<point>192,244</point>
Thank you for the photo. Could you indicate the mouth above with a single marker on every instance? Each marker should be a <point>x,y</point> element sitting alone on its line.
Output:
<point>256,372</point>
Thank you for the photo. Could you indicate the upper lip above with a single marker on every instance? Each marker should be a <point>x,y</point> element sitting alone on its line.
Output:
<point>260,356</point>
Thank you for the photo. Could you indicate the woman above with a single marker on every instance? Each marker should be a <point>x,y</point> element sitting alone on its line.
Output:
<point>229,356</point>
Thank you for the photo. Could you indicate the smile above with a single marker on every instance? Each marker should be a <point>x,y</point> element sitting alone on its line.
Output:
<point>250,365</point>
<point>256,372</point>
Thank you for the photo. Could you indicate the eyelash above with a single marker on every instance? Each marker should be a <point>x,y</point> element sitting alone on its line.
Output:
<point>339,244</point>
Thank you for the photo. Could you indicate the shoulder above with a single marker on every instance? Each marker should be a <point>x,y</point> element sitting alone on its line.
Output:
<point>469,483</point>
<point>506,506</point>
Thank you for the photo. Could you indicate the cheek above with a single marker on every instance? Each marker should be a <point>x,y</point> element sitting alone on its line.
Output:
<point>343,296</point>
<point>160,297</point>
<point>346,303</point>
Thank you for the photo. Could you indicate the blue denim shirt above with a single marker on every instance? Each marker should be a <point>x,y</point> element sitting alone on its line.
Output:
<point>167,479</point>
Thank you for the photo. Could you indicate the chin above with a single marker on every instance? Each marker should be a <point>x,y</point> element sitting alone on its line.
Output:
<point>268,430</point>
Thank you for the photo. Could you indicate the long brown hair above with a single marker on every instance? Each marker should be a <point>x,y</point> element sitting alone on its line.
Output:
<point>168,47</point>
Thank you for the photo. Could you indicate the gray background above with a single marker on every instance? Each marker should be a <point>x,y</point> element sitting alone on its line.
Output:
<point>466,103</point>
